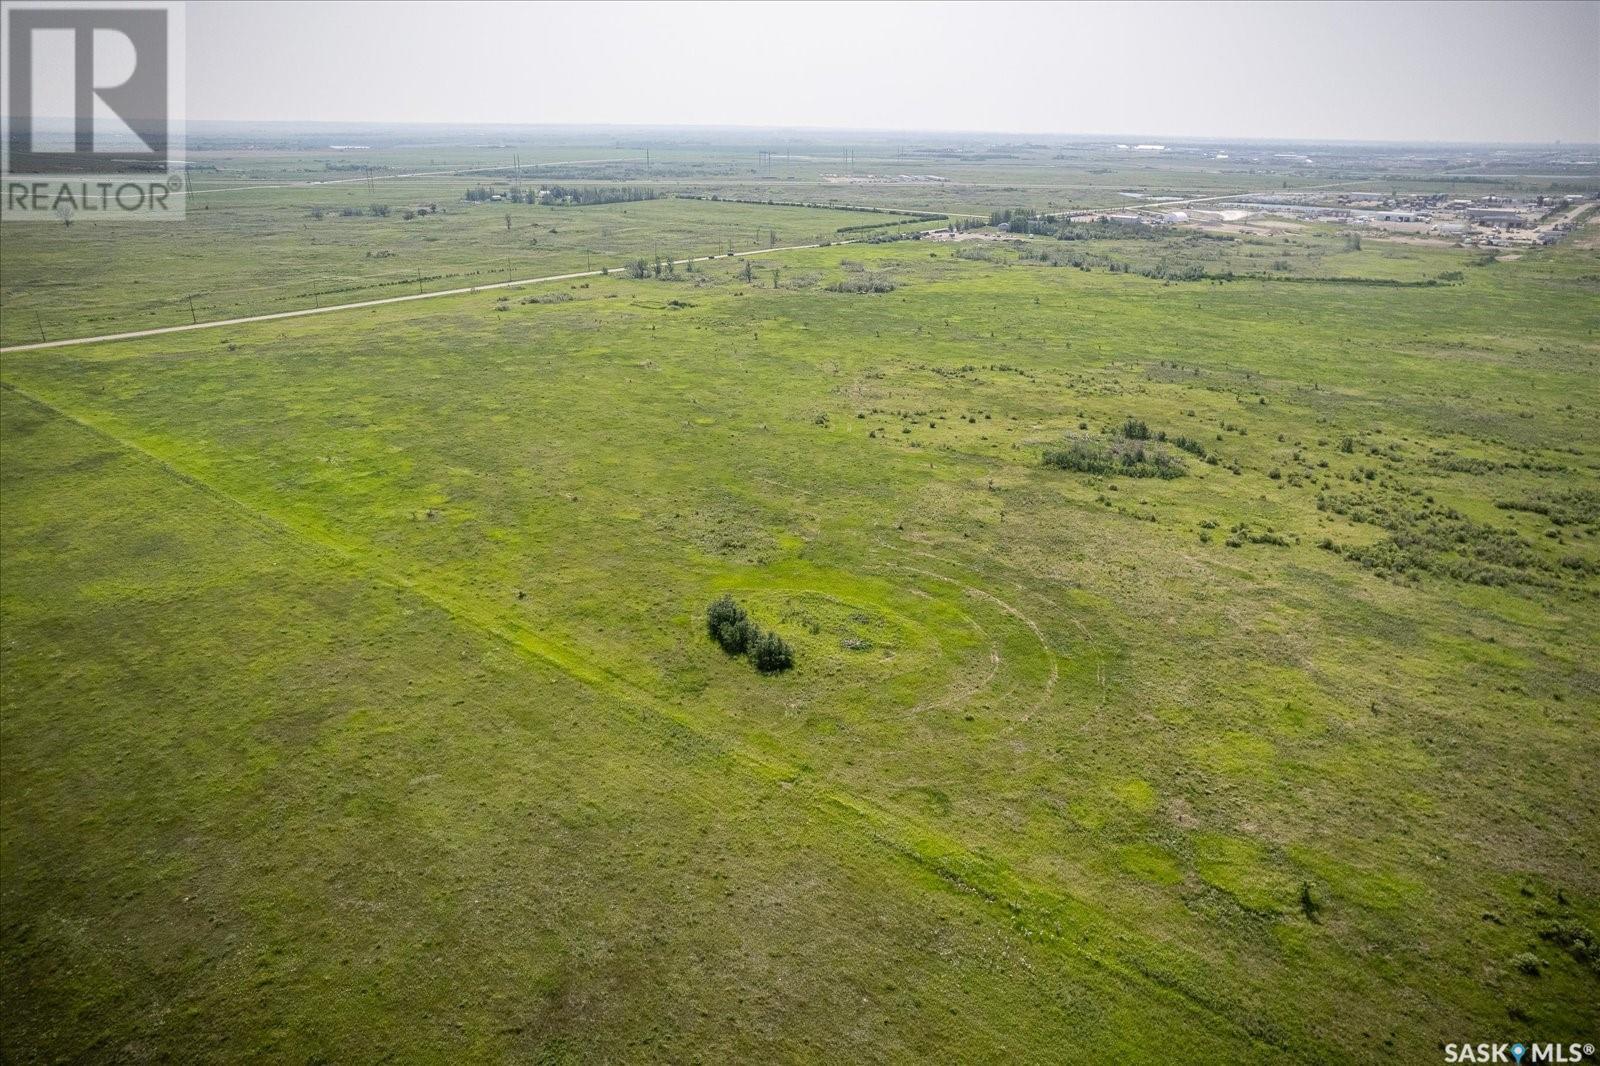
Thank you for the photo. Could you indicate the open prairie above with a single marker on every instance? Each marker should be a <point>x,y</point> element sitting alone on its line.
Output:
<point>1193,630</point>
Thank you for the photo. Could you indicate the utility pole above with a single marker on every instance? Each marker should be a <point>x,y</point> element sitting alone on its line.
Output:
<point>40,323</point>
<point>192,318</point>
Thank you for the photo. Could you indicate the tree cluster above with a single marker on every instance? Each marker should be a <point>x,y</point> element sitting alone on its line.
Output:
<point>579,196</point>
<point>730,626</point>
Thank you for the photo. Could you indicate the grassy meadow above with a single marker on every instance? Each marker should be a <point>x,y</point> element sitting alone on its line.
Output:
<point>359,702</point>
<point>263,251</point>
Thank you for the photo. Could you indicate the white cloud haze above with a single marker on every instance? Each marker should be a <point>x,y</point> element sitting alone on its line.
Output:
<point>1358,71</point>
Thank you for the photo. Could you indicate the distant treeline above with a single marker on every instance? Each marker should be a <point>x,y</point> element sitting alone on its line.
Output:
<point>582,196</point>
<point>563,195</point>
<point>892,222</point>
<point>1391,283</point>
<point>1025,221</point>
<point>912,216</point>
<point>1197,272</point>
<point>483,194</point>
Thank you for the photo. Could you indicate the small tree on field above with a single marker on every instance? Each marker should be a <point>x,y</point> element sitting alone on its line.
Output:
<point>722,609</point>
<point>730,626</point>
<point>771,653</point>
<point>747,274</point>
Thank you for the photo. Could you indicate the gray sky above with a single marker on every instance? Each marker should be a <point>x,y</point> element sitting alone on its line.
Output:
<point>1527,71</point>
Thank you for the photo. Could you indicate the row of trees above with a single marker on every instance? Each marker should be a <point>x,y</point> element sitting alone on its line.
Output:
<point>561,195</point>
<point>661,268</point>
<point>730,626</point>
<point>580,196</point>
<point>482,194</point>
<point>1025,221</point>
<point>375,210</point>
<point>909,216</point>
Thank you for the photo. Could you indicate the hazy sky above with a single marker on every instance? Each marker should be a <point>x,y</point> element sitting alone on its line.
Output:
<point>1526,71</point>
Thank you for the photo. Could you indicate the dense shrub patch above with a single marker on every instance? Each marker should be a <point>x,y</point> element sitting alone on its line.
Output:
<point>1430,537</point>
<point>867,282</point>
<point>1133,451</point>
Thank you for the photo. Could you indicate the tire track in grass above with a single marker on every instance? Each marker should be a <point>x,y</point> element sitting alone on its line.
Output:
<point>1042,916</point>
<point>1018,614</point>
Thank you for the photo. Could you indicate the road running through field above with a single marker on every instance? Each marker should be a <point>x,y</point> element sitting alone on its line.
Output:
<point>304,311</point>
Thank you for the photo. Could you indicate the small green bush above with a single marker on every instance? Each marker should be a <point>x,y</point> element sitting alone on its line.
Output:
<point>1578,940</point>
<point>730,626</point>
<point>771,653</point>
<point>1120,455</point>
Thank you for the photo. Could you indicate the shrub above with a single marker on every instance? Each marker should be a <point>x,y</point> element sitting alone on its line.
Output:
<point>870,283</point>
<point>771,653</point>
<point>1527,962</point>
<point>729,625</point>
<point>1132,458</point>
<point>1579,941</point>
<point>1136,429</point>
<point>739,637</point>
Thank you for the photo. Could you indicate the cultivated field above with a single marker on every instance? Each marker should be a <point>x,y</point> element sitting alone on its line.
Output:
<point>1186,669</point>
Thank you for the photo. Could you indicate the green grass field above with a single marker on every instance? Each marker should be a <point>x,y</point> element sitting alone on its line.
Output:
<point>263,252</point>
<point>359,702</point>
